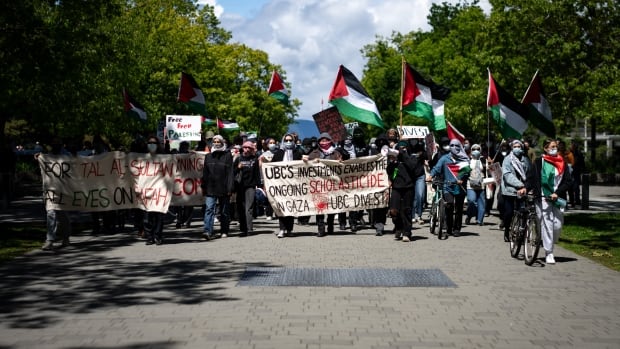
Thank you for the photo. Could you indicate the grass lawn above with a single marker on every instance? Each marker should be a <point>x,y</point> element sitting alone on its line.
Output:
<point>17,239</point>
<point>595,236</point>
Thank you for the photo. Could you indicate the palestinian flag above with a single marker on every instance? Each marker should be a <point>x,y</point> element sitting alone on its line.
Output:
<point>453,133</point>
<point>459,169</point>
<point>422,98</point>
<point>226,125</point>
<point>207,121</point>
<point>351,99</point>
<point>508,113</point>
<point>553,168</point>
<point>538,108</point>
<point>277,89</point>
<point>190,93</point>
<point>132,107</point>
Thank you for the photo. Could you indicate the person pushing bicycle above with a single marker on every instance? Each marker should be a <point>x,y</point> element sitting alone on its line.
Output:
<point>454,167</point>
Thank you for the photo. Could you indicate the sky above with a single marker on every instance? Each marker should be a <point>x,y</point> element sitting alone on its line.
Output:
<point>310,39</point>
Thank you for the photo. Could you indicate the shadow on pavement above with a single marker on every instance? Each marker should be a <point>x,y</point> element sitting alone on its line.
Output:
<point>35,290</point>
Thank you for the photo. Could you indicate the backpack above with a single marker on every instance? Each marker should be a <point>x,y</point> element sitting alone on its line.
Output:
<point>476,177</point>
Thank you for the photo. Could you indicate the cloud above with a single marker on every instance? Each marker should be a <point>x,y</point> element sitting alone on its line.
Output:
<point>311,38</point>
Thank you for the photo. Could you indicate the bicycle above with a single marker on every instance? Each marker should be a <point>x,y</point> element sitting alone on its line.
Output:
<point>525,230</point>
<point>438,211</point>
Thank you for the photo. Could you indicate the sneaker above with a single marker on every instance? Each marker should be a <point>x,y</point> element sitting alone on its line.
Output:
<point>550,259</point>
<point>159,241</point>
<point>48,245</point>
<point>468,220</point>
<point>150,242</point>
<point>269,218</point>
<point>281,234</point>
<point>379,232</point>
<point>406,238</point>
<point>456,233</point>
<point>208,236</point>
<point>224,235</point>
<point>65,242</point>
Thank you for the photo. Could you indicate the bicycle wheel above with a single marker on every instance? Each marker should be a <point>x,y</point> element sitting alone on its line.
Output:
<point>433,217</point>
<point>531,244</point>
<point>442,233</point>
<point>515,236</point>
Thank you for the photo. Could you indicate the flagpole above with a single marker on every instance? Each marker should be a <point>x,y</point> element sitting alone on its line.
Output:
<point>402,84</point>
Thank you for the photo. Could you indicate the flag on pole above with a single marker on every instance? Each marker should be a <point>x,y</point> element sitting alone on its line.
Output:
<point>424,99</point>
<point>507,112</point>
<point>190,93</point>
<point>226,125</point>
<point>453,133</point>
<point>277,89</point>
<point>207,121</point>
<point>538,108</point>
<point>132,107</point>
<point>351,99</point>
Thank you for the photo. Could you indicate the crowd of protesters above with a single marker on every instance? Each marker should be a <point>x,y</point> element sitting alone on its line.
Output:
<point>498,175</point>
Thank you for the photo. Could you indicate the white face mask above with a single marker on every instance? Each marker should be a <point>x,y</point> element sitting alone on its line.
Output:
<point>289,145</point>
<point>504,153</point>
<point>446,148</point>
<point>272,146</point>
<point>475,153</point>
<point>152,148</point>
<point>553,152</point>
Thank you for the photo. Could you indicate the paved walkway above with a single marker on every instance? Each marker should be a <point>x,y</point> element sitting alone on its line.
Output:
<point>112,291</point>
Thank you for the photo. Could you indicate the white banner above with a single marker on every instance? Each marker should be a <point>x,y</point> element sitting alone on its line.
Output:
<point>117,180</point>
<point>306,188</point>
<point>183,127</point>
<point>409,132</point>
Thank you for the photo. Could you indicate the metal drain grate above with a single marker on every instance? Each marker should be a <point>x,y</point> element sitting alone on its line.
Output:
<point>368,277</point>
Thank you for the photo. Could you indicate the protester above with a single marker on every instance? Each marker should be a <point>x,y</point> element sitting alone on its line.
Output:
<point>378,216</point>
<point>498,158</point>
<point>517,180</point>
<point>217,187</point>
<point>476,196</point>
<point>155,231</point>
<point>58,221</point>
<point>267,156</point>
<point>419,175</point>
<point>247,178</point>
<point>579,168</point>
<point>453,190</point>
<point>287,152</point>
<point>184,213</point>
<point>401,173</point>
<point>552,181</point>
<point>326,151</point>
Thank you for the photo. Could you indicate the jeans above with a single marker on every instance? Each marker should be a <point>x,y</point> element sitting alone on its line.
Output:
<point>58,222</point>
<point>211,211</point>
<point>476,204</point>
<point>419,195</point>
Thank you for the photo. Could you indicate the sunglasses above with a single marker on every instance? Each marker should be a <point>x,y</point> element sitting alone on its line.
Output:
<point>288,140</point>
<point>454,146</point>
<point>151,143</point>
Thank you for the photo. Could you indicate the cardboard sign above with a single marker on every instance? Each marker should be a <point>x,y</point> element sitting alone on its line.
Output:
<point>330,121</point>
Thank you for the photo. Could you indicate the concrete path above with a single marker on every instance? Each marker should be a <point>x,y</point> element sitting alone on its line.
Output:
<point>113,291</point>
